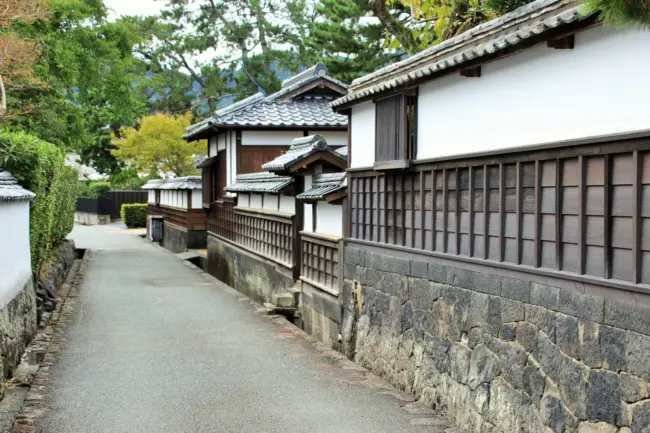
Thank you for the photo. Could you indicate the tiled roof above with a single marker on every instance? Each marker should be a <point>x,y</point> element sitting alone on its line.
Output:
<point>10,190</point>
<point>489,38</point>
<point>189,182</point>
<point>300,149</point>
<point>323,185</point>
<point>260,182</point>
<point>274,111</point>
<point>306,112</point>
<point>343,151</point>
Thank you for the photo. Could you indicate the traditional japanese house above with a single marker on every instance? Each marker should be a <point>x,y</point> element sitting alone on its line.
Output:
<point>497,242</point>
<point>240,139</point>
<point>178,202</point>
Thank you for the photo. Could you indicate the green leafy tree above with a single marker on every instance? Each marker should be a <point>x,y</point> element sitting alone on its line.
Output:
<point>621,12</point>
<point>344,39</point>
<point>158,145</point>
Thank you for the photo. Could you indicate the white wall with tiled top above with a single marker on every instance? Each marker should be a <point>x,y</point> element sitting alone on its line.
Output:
<point>362,135</point>
<point>15,258</point>
<point>536,96</point>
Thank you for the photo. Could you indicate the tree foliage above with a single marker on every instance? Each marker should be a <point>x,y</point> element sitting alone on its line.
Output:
<point>157,145</point>
<point>621,12</point>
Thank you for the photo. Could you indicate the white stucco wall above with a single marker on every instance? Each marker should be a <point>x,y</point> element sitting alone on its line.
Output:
<point>333,138</point>
<point>308,218</point>
<point>152,196</point>
<point>212,146</point>
<point>197,199</point>
<point>221,142</point>
<point>271,202</point>
<point>537,96</point>
<point>255,201</point>
<point>329,219</point>
<point>287,204</point>
<point>15,259</point>
<point>243,199</point>
<point>269,138</point>
<point>363,135</point>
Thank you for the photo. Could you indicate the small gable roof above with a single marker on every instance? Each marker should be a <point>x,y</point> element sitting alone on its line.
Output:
<point>300,150</point>
<point>260,182</point>
<point>486,40</point>
<point>290,107</point>
<point>10,190</point>
<point>324,185</point>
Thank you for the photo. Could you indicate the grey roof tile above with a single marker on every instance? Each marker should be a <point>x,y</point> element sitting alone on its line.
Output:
<point>259,110</point>
<point>189,182</point>
<point>263,182</point>
<point>499,34</point>
<point>300,149</point>
<point>324,184</point>
<point>10,190</point>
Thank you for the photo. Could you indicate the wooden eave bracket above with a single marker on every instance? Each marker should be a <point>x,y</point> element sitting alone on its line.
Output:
<point>563,43</point>
<point>473,72</point>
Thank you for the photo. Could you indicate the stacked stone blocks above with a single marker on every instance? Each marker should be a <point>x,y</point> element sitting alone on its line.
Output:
<point>497,354</point>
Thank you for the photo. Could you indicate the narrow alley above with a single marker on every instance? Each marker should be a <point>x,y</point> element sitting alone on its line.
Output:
<point>156,347</point>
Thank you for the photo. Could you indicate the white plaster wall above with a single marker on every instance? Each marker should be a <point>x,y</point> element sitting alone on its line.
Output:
<point>197,199</point>
<point>333,138</point>
<point>538,96</point>
<point>329,218</point>
<point>363,135</point>
<point>287,204</point>
<point>269,138</point>
<point>255,201</point>
<point>271,202</point>
<point>15,259</point>
<point>152,196</point>
<point>308,217</point>
<point>243,200</point>
<point>221,142</point>
<point>212,146</point>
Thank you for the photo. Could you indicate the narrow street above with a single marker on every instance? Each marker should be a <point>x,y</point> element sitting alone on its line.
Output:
<point>157,347</point>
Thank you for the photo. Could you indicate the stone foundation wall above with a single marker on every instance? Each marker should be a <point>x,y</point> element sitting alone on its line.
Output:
<point>91,219</point>
<point>496,354</point>
<point>322,315</point>
<point>17,325</point>
<point>257,278</point>
<point>179,240</point>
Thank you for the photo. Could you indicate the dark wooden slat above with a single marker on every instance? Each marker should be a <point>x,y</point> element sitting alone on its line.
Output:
<point>359,207</point>
<point>403,203</point>
<point>519,192</point>
<point>371,208</point>
<point>502,212</point>
<point>412,194</point>
<point>422,210</point>
<point>486,212</point>
<point>457,211</point>
<point>394,209</point>
<point>559,189</point>
<point>607,235</point>
<point>471,211</point>
<point>582,219</point>
<point>434,210</point>
<point>637,193</point>
<point>538,214</point>
<point>385,209</point>
<point>444,210</point>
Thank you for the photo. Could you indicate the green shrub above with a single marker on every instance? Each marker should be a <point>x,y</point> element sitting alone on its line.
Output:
<point>99,189</point>
<point>134,215</point>
<point>39,167</point>
<point>127,179</point>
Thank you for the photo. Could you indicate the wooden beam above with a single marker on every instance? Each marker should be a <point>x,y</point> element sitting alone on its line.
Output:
<point>563,43</point>
<point>637,219</point>
<point>472,72</point>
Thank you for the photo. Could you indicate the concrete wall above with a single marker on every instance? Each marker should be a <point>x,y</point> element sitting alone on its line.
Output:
<point>15,259</point>
<point>497,354</point>
<point>257,278</point>
<point>91,219</point>
<point>322,315</point>
<point>179,240</point>
<point>545,95</point>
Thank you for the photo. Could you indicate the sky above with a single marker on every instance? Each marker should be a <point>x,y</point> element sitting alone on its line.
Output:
<point>133,7</point>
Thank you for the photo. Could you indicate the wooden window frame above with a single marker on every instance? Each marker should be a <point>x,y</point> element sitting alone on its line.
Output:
<point>408,140</point>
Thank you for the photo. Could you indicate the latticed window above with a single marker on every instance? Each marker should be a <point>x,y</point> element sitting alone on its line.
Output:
<point>395,131</point>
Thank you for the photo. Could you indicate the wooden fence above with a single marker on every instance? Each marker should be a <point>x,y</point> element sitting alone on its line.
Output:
<point>322,259</point>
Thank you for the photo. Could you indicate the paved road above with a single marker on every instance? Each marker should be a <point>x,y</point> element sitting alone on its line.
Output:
<point>155,347</point>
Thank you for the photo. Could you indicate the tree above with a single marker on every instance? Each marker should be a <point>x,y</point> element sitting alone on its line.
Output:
<point>157,145</point>
<point>621,12</point>
<point>345,41</point>
<point>18,54</point>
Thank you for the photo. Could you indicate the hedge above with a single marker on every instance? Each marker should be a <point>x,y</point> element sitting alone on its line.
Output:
<point>39,167</point>
<point>134,215</point>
